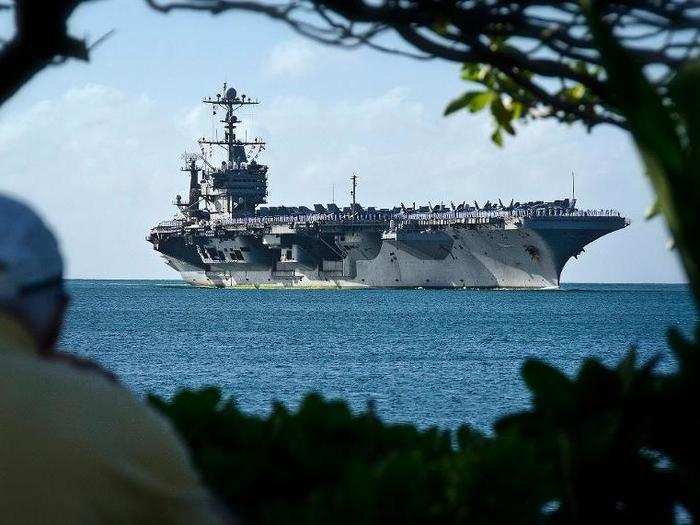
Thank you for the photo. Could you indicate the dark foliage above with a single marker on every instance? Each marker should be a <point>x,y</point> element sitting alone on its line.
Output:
<point>611,445</point>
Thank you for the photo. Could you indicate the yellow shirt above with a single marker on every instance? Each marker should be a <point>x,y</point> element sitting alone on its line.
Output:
<point>76,448</point>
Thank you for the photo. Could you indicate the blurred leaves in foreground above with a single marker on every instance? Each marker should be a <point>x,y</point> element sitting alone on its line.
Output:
<point>608,445</point>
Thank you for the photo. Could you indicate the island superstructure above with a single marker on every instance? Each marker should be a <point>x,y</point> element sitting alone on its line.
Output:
<point>224,236</point>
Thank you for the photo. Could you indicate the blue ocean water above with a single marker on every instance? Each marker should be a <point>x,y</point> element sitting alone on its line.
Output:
<point>432,357</point>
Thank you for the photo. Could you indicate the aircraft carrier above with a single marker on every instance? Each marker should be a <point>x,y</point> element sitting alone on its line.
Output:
<point>223,236</point>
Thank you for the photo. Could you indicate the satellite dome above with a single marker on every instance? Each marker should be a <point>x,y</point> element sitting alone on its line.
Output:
<point>231,94</point>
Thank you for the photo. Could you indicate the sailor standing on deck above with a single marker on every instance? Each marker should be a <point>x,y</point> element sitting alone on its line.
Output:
<point>74,446</point>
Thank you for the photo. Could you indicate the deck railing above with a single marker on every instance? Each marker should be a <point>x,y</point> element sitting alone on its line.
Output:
<point>445,217</point>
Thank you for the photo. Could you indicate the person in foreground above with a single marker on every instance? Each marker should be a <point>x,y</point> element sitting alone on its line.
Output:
<point>75,446</point>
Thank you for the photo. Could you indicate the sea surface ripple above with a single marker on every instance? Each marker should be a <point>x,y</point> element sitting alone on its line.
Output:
<point>431,357</point>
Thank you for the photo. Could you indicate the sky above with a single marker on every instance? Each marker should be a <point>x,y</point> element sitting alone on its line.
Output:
<point>96,147</point>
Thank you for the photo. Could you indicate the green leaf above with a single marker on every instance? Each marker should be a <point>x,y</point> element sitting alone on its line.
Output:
<point>441,24</point>
<point>468,438</point>
<point>499,112</point>
<point>481,100</point>
<point>684,89</point>
<point>497,137</point>
<point>473,100</point>
<point>461,102</point>
<point>653,210</point>
<point>551,388</point>
<point>517,109</point>
<point>627,368</point>
<point>683,349</point>
<point>574,93</point>
<point>509,128</point>
<point>475,72</point>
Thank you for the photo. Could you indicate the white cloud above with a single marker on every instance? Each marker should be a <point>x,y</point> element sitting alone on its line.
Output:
<point>101,166</point>
<point>292,58</point>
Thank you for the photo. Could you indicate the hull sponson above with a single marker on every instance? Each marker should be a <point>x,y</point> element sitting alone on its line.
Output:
<point>180,254</point>
<point>530,254</point>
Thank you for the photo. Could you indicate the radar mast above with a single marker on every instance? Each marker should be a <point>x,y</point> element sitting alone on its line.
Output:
<point>353,192</point>
<point>230,102</point>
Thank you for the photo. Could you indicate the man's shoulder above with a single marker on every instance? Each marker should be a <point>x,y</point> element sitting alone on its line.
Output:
<point>61,383</point>
<point>77,437</point>
<point>83,407</point>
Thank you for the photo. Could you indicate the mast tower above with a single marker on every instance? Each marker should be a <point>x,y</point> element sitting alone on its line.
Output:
<point>241,183</point>
<point>353,192</point>
<point>231,101</point>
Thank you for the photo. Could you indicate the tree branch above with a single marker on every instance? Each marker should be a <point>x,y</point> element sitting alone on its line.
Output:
<point>40,37</point>
<point>548,39</point>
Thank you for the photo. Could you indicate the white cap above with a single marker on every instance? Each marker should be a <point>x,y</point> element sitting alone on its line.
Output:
<point>29,254</point>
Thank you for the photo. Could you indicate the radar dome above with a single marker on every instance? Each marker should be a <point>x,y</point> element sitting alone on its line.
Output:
<point>231,94</point>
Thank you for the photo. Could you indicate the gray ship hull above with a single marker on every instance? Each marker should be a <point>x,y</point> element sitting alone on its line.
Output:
<point>528,254</point>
